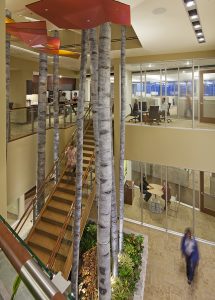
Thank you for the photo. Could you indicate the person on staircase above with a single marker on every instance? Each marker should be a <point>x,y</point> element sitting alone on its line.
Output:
<point>71,159</point>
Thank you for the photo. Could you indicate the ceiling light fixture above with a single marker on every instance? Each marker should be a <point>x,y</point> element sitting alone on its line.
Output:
<point>191,9</point>
<point>199,33</point>
<point>201,40</point>
<point>189,3</point>
<point>196,24</point>
<point>193,14</point>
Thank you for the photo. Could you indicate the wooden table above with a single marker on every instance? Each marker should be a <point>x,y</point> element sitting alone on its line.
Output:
<point>156,189</point>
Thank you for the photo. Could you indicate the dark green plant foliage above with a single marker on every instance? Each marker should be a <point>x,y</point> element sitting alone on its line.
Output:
<point>89,238</point>
<point>129,270</point>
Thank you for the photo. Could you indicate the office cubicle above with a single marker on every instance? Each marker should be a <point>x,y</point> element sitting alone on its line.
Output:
<point>188,87</point>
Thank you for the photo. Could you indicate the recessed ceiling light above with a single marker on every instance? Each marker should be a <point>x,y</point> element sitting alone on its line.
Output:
<point>60,76</point>
<point>150,65</point>
<point>159,11</point>
<point>46,9</point>
<point>201,40</point>
<point>189,3</point>
<point>196,25</point>
<point>193,14</point>
<point>199,33</point>
<point>187,63</point>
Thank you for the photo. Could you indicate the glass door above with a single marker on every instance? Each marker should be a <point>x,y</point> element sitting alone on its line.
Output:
<point>207,96</point>
<point>207,193</point>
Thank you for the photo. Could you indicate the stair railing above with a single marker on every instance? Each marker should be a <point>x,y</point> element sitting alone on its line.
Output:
<point>51,175</point>
<point>61,236</point>
<point>39,262</point>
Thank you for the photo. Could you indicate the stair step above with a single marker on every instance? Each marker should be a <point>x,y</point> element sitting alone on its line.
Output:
<point>46,218</point>
<point>42,255</point>
<point>89,136</point>
<point>63,200</point>
<point>54,216</point>
<point>87,153</point>
<point>53,236</point>
<point>87,142</point>
<point>67,186</point>
<point>52,230</point>
<point>59,205</point>
<point>65,189</point>
<point>57,210</point>
<point>63,196</point>
<point>48,251</point>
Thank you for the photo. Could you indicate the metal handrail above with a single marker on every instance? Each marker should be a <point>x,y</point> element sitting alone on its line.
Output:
<point>40,263</point>
<point>66,222</point>
<point>50,175</point>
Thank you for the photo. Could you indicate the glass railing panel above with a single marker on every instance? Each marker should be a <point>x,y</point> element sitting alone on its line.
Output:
<point>20,122</point>
<point>8,276</point>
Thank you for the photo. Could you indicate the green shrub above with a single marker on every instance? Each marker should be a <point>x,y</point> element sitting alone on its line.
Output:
<point>120,290</point>
<point>89,238</point>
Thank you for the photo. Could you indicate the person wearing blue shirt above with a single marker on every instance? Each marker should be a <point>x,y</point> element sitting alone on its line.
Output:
<point>190,251</point>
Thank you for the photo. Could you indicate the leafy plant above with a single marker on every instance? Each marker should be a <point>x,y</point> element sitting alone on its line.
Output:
<point>89,237</point>
<point>16,286</point>
<point>120,289</point>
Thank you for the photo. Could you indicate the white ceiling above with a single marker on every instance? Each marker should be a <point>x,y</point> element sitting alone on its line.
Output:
<point>169,31</point>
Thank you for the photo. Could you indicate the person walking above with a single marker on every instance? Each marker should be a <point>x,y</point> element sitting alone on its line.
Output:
<point>190,251</point>
<point>71,158</point>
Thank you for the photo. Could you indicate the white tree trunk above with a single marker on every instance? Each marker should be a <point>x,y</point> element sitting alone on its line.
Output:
<point>94,99</point>
<point>79,164</point>
<point>114,226</point>
<point>122,138</point>
<point>8,15</point>
<point>56,109</point>
<point>105,159</point>
<point>41,133</point>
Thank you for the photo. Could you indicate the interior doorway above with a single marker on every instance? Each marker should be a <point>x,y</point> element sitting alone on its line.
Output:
<point>207,96</point>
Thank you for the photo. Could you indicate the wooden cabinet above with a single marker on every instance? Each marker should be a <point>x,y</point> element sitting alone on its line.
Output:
<point>128,192</point>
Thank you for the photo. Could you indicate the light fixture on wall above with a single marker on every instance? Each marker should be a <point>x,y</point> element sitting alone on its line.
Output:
<point>191,8</point>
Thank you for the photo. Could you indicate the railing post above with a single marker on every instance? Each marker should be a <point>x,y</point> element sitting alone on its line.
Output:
<point>91,179</point>
<point>64,116</point>
<point>50,121</point>
<point>9,124</point>
<point>32,119</point>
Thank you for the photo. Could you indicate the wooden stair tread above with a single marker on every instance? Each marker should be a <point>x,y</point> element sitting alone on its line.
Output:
<point>54,216</point>
<point>64,195</point>
<point>47,244</point>
<point>68,186</point>
<point>53,230</point>
<point>61,206</point>
<point>42,255</point>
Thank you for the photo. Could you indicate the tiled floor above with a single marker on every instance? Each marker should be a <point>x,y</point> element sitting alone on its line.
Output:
<point>165,278</point>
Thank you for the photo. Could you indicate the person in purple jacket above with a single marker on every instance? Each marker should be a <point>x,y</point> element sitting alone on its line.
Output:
<point>190,251</point>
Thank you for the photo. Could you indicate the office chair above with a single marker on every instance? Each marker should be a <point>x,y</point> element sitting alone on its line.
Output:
<point>135,117</point>
<point>154,115</point>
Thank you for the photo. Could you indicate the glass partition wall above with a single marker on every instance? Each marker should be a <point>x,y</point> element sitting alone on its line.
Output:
<point>174,93</point>
<point>171,198</point>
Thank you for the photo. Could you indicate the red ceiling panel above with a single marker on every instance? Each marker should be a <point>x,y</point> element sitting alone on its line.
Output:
<point>82,14</point>
<point>31,33</point>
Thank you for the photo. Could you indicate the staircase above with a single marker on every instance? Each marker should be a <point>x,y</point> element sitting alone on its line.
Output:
<point>51,236</point>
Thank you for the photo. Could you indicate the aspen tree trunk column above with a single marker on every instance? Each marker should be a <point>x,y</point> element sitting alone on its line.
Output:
<point>79,164</point>
<point>56,109</point>
<point>105,159</point>
<point>41,135</point>
<point>122,138</point>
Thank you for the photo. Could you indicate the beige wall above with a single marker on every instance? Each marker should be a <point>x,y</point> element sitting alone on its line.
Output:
<point>182,148</point>
<point>22,162</point>
<point>22,70</point>
<point>3,182</point>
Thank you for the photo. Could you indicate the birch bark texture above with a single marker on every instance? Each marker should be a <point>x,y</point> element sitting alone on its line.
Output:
<point>8,39</point>
<point>122,138</point>
<point>79,164</point>
<point>41,133</point>
<point>114,226</point>
<point>56,109</point>
<point>105,164</point>
<point>94,99</point>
